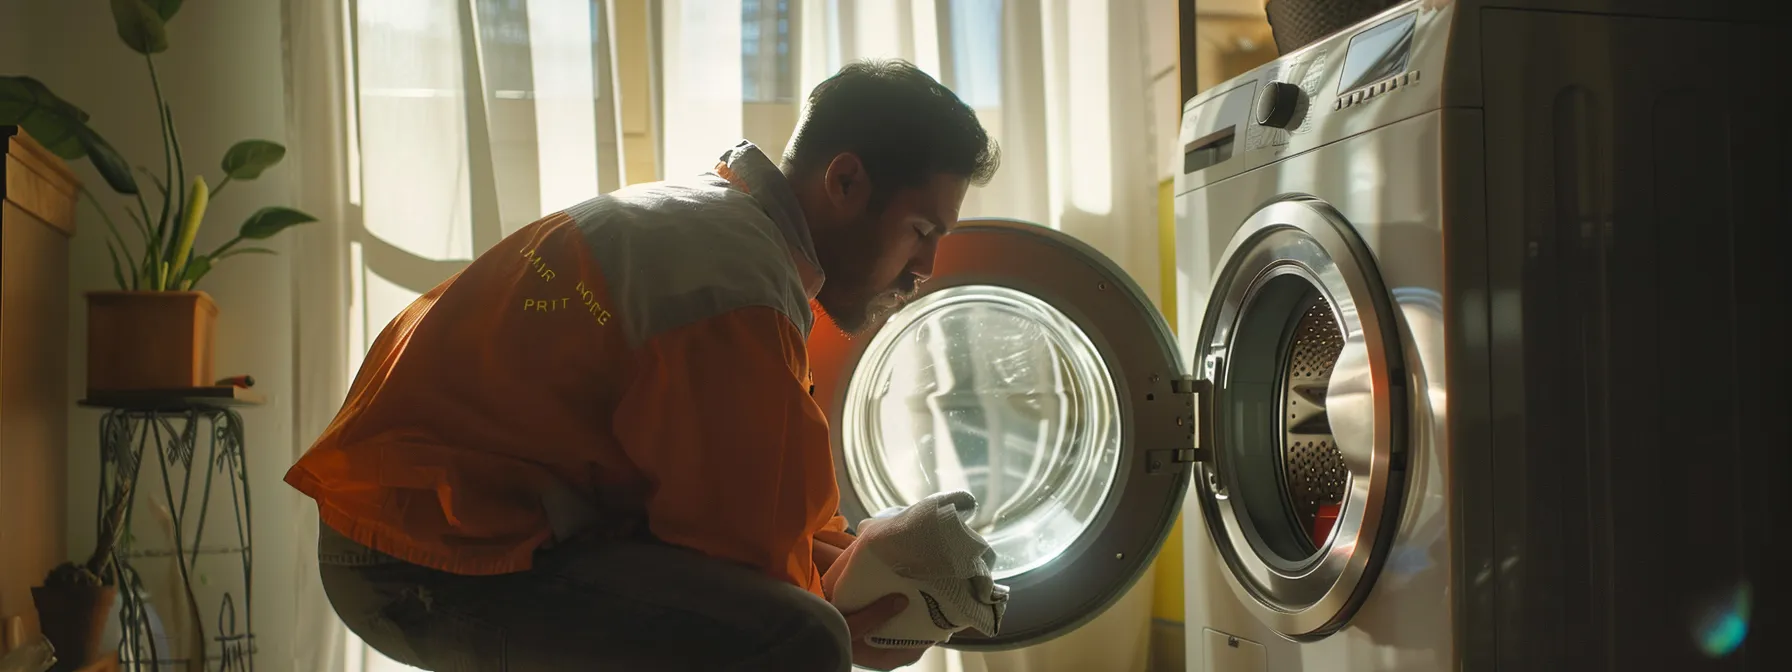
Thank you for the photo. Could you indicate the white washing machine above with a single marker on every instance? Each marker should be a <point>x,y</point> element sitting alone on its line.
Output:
<point>1437,262</point>
<point>1415,413</point>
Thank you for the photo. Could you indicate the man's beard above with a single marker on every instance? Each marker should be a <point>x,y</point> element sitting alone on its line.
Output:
<point>855,317</point>
<point>852,307</point>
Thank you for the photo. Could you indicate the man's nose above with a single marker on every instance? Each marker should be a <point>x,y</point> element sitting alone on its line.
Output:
<point>921,266</point>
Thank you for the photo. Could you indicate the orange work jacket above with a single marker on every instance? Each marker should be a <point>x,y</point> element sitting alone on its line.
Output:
<point>635,360</point>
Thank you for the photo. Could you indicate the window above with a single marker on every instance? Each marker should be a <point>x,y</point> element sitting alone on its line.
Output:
<point>765,58</point>
<point>504,35</point>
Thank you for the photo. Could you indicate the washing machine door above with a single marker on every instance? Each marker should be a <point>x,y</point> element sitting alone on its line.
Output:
<point>1303,467</point>
<point>1031,372</point>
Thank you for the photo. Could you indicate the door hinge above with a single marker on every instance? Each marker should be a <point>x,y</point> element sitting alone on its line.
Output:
<point>1192,422</point>
<point>1187,455</point>
<point>1164,459</point>
<point>1183,384</point>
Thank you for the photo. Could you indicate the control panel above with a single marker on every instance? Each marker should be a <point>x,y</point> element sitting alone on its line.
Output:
<point>1376,61</point>
<point>1318,94</point>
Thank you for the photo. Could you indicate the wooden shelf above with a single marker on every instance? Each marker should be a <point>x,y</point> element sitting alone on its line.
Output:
<point>174,399</point>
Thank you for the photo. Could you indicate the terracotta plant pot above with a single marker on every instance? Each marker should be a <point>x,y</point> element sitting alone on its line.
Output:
<point>73,618</point>
<point>149,340</point>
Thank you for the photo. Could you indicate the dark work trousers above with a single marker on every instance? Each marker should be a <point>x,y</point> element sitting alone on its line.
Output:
<point>587,604</point>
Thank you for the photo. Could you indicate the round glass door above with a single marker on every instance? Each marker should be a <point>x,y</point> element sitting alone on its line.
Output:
<point>1302,492</point>
<point>989,390</point>
<point>1033,374</point>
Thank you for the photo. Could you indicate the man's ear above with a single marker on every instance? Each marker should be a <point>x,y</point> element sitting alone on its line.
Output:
<point>847,185</point>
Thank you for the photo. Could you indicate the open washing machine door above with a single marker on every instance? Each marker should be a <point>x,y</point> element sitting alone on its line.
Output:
<point>1304,458</point>
<point>1031,372</point>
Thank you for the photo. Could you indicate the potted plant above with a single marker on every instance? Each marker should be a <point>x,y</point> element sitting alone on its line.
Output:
<point>156,330</point>
<point>75,600</point>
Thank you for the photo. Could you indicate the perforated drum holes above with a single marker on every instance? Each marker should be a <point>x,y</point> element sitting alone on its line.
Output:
<point>1313,468</point>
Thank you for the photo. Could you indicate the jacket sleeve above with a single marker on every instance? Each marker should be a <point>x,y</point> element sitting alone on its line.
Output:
<point>718,418</point>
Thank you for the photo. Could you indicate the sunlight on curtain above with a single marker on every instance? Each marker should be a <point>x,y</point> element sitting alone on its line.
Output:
<point>905,29</point>
<point>414,185</point>
<point>1054,52</point>
<point>560,49</point>
<point>977,43</point>
<point>1086,48</point>
<point>702,111</point>
<point>924,28</point>
<point>357,309</point>
<point>817,56</point>
<point>878,28</point>
<point>385,298</point>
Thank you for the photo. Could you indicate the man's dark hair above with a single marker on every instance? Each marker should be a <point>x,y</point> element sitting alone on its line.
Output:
<point>903,125</point>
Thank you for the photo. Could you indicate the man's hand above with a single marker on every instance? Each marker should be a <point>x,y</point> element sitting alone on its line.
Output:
<point>825,554</point>
<point>860,623</point>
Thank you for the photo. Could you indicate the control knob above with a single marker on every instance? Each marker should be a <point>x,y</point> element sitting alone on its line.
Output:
<point>1278,105</point>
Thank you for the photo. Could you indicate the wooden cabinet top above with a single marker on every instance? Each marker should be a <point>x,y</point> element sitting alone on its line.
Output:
<point>37,182</point>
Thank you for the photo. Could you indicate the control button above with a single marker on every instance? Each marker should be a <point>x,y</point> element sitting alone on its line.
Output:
<point>1357,97</point>
<point>1392,83</point>
<point>1412,77</point>
<point>1277,104</point>
<point>1338,104</point>
<point>1381,88</point>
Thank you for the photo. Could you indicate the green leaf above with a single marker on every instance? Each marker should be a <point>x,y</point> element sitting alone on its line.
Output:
<point>117,268</point>
<point>247,159</point>
<point>61,128</point>
<point>269,221</point>
<point>106,160</point>
<point>196,267</point>
<point>51,121</point>
<point>165,8</point>
<point>163,188</point>
<point>140,26</point>
<point>241,250</point>
<point>200,265</point>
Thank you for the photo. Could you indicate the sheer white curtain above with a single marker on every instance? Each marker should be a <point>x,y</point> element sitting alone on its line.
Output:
<point>701,71</point>
<point>318,116</point>
<point>425,130</point>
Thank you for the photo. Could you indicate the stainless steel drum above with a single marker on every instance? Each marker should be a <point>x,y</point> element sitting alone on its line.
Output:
<point>1312,466</point>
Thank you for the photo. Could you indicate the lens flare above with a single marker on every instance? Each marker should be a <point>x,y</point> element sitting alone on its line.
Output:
<point>1724,623</point>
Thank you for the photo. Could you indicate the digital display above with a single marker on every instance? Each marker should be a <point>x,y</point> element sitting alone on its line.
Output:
<point>1207,151</point>
<point>1378,53</point>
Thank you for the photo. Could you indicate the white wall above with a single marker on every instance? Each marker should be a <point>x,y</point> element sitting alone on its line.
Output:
<point>222,75</point>
<point>13,36</point>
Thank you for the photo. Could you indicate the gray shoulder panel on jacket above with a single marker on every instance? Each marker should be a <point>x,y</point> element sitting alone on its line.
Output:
<point>673,254</point>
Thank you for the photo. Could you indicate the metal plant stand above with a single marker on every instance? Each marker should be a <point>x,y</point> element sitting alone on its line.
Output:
<point>193,442</point>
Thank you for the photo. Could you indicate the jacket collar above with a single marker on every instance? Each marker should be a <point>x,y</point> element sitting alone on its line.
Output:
<point>748,169</point>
